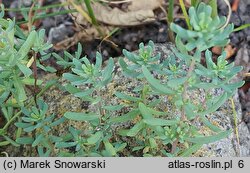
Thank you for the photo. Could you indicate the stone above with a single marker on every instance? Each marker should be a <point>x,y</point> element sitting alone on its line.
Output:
<point>60,33</point>
<point>60,101</point>
<point>223,117</point>
<point>229,147</point>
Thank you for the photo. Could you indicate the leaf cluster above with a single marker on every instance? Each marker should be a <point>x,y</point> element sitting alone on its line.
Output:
<point>208,31</point>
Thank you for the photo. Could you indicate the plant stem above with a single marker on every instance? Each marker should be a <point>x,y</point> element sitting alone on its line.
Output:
<point>34,65</point>
<point>170,19</point>
<point>101,111</point>
<point>213,4</point>
<point>30,17</point>
<point>185,85</point>
<point>184,96</point>
<point>174,146</point>
<point>48,15</point>
<point>91,12</point>
<point>171,11</point>
<point>80,10</point>
<point>184,11</point>
<point>194,3</point>
<point>236,127</point>
<point>29,104</point>
<point>92,16</point>
<point>242,27</point>
<point>229,13</point>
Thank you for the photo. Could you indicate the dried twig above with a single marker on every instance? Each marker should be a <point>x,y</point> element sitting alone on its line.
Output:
<point>247,75</point>
<point>30,20</point>
<point>229,14</point>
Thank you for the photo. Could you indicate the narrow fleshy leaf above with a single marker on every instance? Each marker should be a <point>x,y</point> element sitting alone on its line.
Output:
<point>209,139</point>
<point>191,150</point>
<point>81,116</point>
<point>109,147</point>
<point>136,129</point>
<point>159,122</point>
<point>25,140</point>
<point>155,83</point>
<point>95,138</point>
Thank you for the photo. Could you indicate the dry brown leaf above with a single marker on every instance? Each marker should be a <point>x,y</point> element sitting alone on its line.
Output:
<point>217,50</point>
<point>229,50</point>
<point>110,16</point>
<point>117,17</point>
<point>144,5</point>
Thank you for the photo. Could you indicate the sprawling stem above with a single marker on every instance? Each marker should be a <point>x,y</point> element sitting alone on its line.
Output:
<point>29,104</point>
<point>185,97</point>
<point>100,105</point>
<point>174,146</point>
<point>185,85</point>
